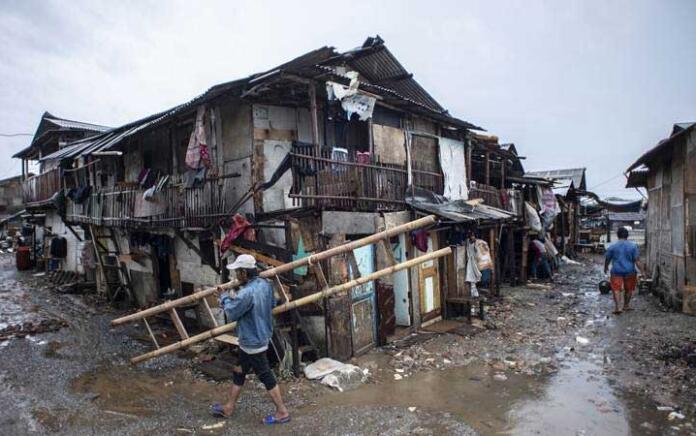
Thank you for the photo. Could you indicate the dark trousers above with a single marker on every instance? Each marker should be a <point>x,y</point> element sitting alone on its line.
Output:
<point>259,364</point>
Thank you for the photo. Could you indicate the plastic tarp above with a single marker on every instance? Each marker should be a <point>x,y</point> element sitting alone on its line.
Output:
<point>453,164</point>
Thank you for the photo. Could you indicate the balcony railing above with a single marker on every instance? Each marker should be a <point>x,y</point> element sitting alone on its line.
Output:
<point>173,206</point>
<point>39,189</point>
<point>352,182</point>
<point>490,195</point>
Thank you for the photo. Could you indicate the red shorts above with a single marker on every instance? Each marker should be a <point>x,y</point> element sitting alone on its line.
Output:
<point>626,283</point>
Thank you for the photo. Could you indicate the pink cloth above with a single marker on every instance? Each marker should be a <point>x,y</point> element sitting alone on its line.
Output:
<point>241,226</point>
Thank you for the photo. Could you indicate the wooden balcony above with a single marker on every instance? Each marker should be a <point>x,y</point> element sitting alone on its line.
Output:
<point>172,207</point>
<point>353,183</point>
<point>490,195</point>
<point>38,190</point>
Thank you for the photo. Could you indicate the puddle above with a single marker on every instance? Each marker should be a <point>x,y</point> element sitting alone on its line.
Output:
<point>122,391</point>
<point>579,400</point>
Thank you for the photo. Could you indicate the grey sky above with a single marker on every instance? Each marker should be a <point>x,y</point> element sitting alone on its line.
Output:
<point>572,83</point>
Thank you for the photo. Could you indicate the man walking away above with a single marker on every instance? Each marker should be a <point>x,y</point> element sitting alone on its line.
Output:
<point>624,259</point>
<point>540,261</point>
<point>252,308</point>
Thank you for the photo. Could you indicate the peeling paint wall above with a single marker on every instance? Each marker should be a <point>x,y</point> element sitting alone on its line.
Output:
<point>58,228</point>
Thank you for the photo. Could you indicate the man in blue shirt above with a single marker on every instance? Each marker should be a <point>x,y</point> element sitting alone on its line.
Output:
<point>252,308</point>
<point>624,258</point>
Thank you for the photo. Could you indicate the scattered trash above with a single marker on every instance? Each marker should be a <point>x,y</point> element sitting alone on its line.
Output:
<point>398,377</point>
<point>411,409</point>
<point>500,377</point>
<point>321,367</point>
<point>213,426</point>
<point>344,378</point>
<point>675,415</point>
<point>582,341</point>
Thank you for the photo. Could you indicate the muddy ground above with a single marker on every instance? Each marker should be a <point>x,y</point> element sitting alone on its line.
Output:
<point>546,361</point>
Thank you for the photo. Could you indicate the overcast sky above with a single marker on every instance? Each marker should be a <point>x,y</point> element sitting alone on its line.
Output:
<point>571,83</point>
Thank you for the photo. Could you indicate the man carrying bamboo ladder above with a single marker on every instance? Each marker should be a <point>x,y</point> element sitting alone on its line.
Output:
<point>251,308</point>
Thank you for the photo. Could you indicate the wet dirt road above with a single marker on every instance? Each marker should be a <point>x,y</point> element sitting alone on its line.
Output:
<point>554,363</point>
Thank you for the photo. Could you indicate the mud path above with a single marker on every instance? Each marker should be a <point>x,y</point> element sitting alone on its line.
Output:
<point>546,361</point>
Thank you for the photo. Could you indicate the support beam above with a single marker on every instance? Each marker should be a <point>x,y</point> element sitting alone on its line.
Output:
<point>296,303</point>
<point>314,116</point>
<point>193,248</point>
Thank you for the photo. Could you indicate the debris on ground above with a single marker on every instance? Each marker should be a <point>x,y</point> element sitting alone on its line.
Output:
<point>335,374</point>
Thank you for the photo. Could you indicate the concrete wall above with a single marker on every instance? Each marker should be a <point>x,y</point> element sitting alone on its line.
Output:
<point>58,228</point>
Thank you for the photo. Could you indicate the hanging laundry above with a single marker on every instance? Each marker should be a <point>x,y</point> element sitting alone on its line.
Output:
<point>351,100</point>
<point>59,247</point>
<point>419,239</point>
<point>194,178</point>
<point>81,194</point>
<point>197,154</point>
<point>240,226</point>
<point>363,157</point>
<point>362,105</point>
<point>301,253</point>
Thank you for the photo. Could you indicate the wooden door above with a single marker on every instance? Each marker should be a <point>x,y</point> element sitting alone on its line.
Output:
<point>387,319</point>
<point>429,285</point>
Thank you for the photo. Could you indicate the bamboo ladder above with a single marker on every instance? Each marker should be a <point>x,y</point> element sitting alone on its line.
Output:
<point>312,261</point>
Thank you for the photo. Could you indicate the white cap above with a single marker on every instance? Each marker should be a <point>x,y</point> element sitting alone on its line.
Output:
<point>245,261</point>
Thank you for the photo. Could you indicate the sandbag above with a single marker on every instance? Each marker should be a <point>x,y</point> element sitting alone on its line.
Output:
<point>532,217</point>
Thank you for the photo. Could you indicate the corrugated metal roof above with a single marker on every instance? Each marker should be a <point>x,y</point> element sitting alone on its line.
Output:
<point>50,124</point>
<point>77,125</point>
<point>574,175</point>
<point>458,211</point>
<point>373,61</point>
<point>678,131</point>
<point>625,216</point>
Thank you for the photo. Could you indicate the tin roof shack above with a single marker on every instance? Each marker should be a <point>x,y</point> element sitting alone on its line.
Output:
<point>569,186</point>
<point>497,177</point>
<point>666,172</point>
<point>11,206</point>
<point>313,152</point>
<point>41,193</point>
<point>11,200</point>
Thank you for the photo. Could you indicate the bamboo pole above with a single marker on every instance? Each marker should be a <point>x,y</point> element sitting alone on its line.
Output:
<point>311,260</point>
<point>296,303</point>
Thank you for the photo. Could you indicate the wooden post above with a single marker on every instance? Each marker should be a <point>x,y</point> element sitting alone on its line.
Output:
<point>488,168</point>
<point>297,303</point>
<point>494,271</point>
<point>503,165</point>
<point>469,175</point>
<point>511,256</point>
<point>314,117</point>
<point>525,257</point>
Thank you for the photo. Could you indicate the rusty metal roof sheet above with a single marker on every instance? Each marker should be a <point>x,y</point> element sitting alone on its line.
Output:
<point>679,130</point>
<point>384,74</point>
<point>458,210</point>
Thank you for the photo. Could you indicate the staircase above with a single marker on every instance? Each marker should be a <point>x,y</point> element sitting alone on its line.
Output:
<point>113,270</point>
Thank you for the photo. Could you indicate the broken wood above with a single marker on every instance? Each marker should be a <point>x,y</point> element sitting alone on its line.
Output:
<point>258,256</point>
<point>296,303</point>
